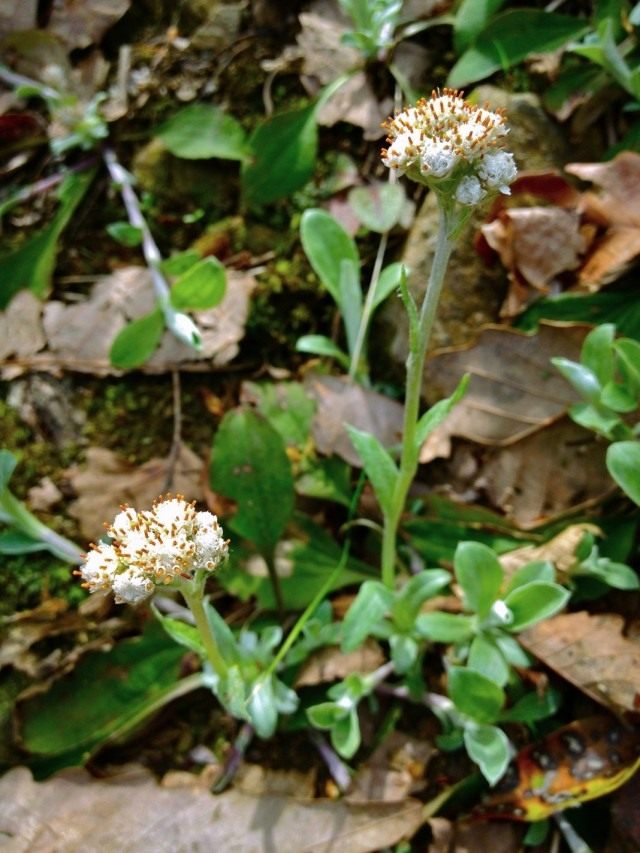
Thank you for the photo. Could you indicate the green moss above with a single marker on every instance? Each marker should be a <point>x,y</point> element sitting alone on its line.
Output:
<point>28,579</point>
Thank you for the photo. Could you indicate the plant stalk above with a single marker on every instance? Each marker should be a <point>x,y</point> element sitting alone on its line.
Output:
<point>415,366</point>
<point>194,597</point>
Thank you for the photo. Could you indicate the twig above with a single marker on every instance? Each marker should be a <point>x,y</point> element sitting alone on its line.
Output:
<point>236,754</point>
<point>45,184</point>
<point>338,769</point>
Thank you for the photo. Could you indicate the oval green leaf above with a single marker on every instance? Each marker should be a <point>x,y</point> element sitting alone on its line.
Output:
<point>201,131</point>
<point>202,286</point>
<point>137,341</point>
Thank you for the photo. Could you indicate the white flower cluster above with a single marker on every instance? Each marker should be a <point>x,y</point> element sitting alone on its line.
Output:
<point>446,137</point>
<point>154,547</point>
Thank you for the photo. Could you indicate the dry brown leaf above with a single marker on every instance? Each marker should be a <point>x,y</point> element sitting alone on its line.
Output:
<point>257,780</point>
<point>21,331</point>
<point>590,651</point>
<point>330,664</point>
<point>555,469</point>
<point>79,335</point>
<point>44,495</point>
<point>394,771</point>
<point>105,482</point>
<point>560,550</point>
<point>80,25</point>
<point>341,401</point>
<point>625,819</point>
<point>514,389</point>
<point>74,813</point>
<point>465,837</point>
<point>537,243</point>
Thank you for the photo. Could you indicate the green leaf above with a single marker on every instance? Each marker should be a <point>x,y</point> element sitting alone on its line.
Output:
<point>202,286</point>
<point>404,652</point>
<point>137,341</point>
<point>284,156</point>
<point>415,592</point>
<point>368,608</point>
<point>437,413</point>
<point>582,378</point>
<point>135,678</point>
<point>532,707</point>
<point>486,658</point>
<point>345,735</point>
<point>537,571</point>
<point>223,636</point>
<point>327,478</point>
<point>445,627</point>
<point>474,694</point>
<point>489,747</point>
<point>378,206</point>
<point>201,131</point>
<point>350,300</point>
<point>125,233</point>
<point>623,463</point>
<point>509,38</point>
<point>287,407</point>
<point>388,281</point>
<point>597,352</point>
<point>533,602</point>
<point>513,652</point>
<point>326,714</point>
<point>179,262</point>
<point>479,574</point>
<point>536,833</point>
<point>31,265</point>
<point>321,345</point>
<point>615,396</point>
<point>471,18</point>
<point>381,470</point>
<point>261,708</point>
<point>249,464</point>
<point>8,463</point>
<point>16,542</point>
<point>327,245</point>
<point>628,352</point>
<point>181,632</point>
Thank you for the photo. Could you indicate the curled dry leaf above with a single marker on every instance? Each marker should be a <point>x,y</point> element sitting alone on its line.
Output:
<point>79,335</point>
<point>330,664</point>
<point>136,813</point>
<point>341,401</point>
<point>513,389</point>
<point>591,652</point>
<point>80,25</point>
<point>560,550</point>
<point>105,482</point>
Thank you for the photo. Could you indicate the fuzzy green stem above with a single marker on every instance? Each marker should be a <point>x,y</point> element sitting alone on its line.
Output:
<point>193,594</point>
<point>415,366</point>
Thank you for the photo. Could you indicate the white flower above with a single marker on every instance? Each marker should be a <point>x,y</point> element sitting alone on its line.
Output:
<point>469,191</point>
<point>446,137</point>
<point>501,613</point>
<point>159,546</point>
<point>498,170</point>
<point>183,328</point>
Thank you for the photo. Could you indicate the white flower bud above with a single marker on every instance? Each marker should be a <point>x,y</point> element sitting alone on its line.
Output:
<point>469,191</point>
<point>497,169</point>
<point>437,160</point>
<point>184,329</point>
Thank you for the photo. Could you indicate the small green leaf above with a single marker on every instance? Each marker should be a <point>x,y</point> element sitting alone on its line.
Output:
<point>597,352</point>
<point>533,602</point>
<point>350,300</point>
<point>368,608</point>
<point>223,636</point>
<point>618,398</point>
<point>378,206</point>
<point>137,341</point>
<point>202,286</point>
<point>249,464</point>
<point>284,156</point>
<point>480,575</point>
<point>475,695</point>
<point>623,463</point>
<point>582,378</point>
<point>179,262</point>
<point>184,634</point>
<point>472,16</point>
<point>628,351</point>
<point>509,38</point>
<point>201,131</point>
<point>388,281</point>
<point>321,345</point>
<point>16,542</point>
<point>325,715</point>
<point>486,658</point>
<point>381,470</point>
<point>533,707</point>
<point>404,652</point>
<point>415,592</point>
<point>8,463</point>
<point>489,747</point>
<point>327,244</point>
<point>445,627</point>
<point>536,833</point>
<point>261,708</point>
<point>437,413</point>
<point>125,233</point>
<point>537,571</point>
<point>345,735</point>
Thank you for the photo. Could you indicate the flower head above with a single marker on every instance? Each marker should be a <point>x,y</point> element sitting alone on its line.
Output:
<point>157,546</point>
<point>451,145</point>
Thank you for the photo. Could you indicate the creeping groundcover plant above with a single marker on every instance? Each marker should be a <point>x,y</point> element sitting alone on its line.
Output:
<point>457,150</point>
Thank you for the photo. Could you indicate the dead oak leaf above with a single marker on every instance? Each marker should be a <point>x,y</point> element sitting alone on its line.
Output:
<point>106,481</point>
<point>331,664</point>
<point>560,550</point>
<point>590,651</point>
<point>137,814</point>
<point>393,771</point>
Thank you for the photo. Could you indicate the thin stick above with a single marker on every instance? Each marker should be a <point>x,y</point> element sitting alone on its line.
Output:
<point>338,769</point>
<point>176,440</point>
<point>234,758</point>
